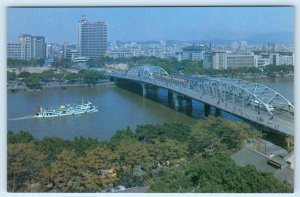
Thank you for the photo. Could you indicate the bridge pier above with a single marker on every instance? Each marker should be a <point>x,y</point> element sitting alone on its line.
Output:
<point>114,79</point>
<point>218,112</point>
<point>153,91</point>
<point>170,97</point>
<point>144,89</point>
<point>176,101</point>
<point>207,109</point>
<point>189,105</point>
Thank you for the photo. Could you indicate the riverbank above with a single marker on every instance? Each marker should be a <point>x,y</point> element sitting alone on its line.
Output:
<point>19,86</point>
<point>264,76</point>
<point>257,76</point>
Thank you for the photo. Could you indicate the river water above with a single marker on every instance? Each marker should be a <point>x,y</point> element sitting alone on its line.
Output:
<point>118,109</point>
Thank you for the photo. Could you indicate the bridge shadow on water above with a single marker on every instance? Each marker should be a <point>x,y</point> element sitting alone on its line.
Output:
<point>160,95</point>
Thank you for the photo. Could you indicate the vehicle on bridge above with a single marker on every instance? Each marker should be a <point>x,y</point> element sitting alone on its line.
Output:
<point>175,79</point>
<point>257,104</point>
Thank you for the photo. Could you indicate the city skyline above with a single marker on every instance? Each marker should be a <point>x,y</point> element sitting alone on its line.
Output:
<point>154,23</point>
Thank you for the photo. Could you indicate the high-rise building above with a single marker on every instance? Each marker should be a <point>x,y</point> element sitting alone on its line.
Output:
<point>26,46</point>
<point>38,47</point>
<point>92,38</point>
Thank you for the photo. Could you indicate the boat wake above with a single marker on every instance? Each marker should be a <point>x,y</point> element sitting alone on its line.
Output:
<point>22,118</point>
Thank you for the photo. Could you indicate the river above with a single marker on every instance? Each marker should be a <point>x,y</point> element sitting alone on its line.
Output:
<point>118,109</point>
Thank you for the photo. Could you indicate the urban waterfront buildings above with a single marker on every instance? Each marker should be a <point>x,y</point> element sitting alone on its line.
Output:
<point>92,38</point>
<point>225,59</point>
<point>92,43</point>
<point>29,47</point>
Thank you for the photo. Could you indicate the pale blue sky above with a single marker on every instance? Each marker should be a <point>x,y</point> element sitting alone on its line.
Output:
<point>152,23</point>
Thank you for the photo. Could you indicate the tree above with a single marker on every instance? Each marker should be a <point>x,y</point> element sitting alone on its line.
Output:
<point>150,133</point>
<point>99,169</point>
<point>24,162</point>
<point>230,133</point>
<point>206,144</point>
<point>53,146</point>
<point>19,137</point>
<point>47,75</point>
<point>21,63</point>
<point>33,81</point>
<point>64,63</point>
<point>168,153</point>
<point>122,136</point>
<point>80,145</point>
<point>72,77</point>
<point>62,175</point>
<point>134,161</point>
<point>11,76</point>
<point>218,174</point>
<point>24,75</point>
<point>90,76</point>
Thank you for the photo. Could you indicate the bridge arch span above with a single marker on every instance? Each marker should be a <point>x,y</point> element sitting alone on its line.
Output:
<point>145,71</point>
<point>258,94</point>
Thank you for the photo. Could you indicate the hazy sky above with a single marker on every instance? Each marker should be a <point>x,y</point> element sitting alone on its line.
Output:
<point>152,23</point>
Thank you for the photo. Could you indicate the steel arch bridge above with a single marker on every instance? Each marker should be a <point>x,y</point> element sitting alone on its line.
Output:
<point>252,101</point>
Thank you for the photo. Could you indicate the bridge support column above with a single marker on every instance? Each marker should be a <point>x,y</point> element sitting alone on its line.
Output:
<point>154,91</point>
<point>176,101</point>
<point>144,89</point>
<point>189,105</point>
<point>114,79</point>
<point>218,112</point>
<point>207,109</point>
<point>170,97</point>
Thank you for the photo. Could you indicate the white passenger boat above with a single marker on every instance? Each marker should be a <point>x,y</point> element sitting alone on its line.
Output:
<point>66,110</point>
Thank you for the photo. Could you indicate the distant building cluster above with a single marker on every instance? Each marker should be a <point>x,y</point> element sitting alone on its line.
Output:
<point>29,47</point>
<point>224,59</point>
<point>92,43</point>
<point>133,49</point>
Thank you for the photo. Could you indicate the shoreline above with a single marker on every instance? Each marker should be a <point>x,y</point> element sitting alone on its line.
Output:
<point>59,85</point>
<point>273,76</point>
